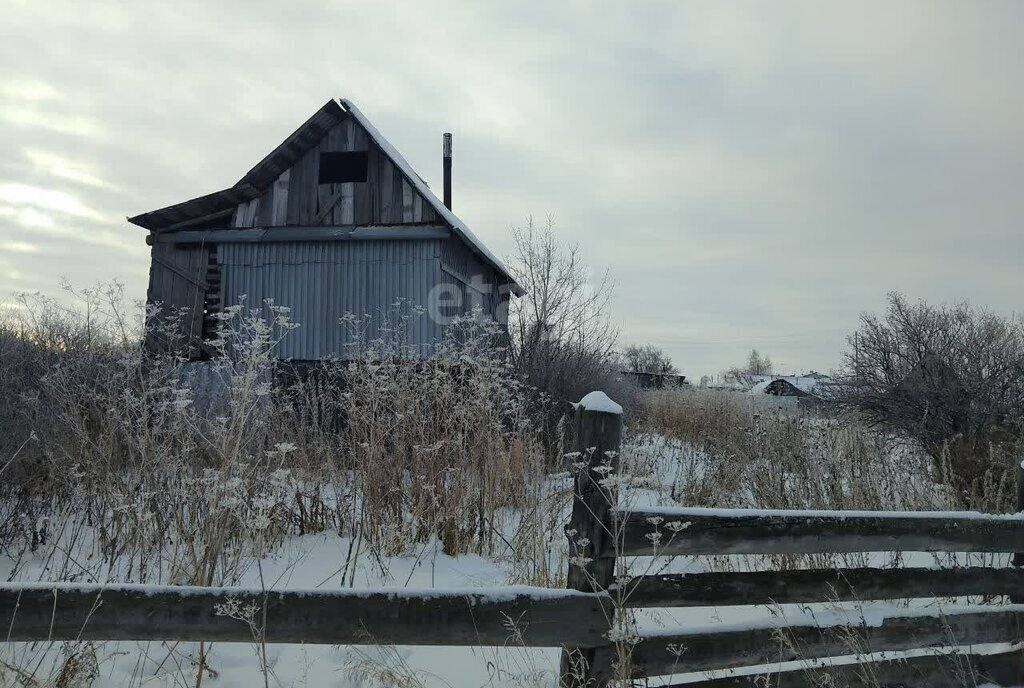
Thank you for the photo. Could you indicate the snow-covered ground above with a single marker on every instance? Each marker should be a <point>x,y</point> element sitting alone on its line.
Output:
<point>316,562</point>
<point>324,561</point>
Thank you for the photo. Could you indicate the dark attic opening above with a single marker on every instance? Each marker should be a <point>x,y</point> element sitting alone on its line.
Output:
<point>338,168</point>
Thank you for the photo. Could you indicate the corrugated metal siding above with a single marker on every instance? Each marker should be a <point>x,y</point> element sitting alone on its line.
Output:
<point>321,281</point>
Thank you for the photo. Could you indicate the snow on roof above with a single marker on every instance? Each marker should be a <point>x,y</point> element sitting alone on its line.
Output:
<point>599,401</point>
<point>760,387</point>
<point>458,225</point>
<point>805,383</point>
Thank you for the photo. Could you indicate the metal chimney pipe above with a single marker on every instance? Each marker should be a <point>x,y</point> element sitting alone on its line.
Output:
<point>447,164</point>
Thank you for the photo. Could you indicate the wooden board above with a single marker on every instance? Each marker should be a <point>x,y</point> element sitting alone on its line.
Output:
<point>435,617</point>
<point>817,585</point>
<point>385,198</point>
<point>385,186</point>
<point>304,233</point>
<point>279,203</point>
<point>177,281</point>
<point>651,533</point>
<point>687,652</point>
<point>940,671</point>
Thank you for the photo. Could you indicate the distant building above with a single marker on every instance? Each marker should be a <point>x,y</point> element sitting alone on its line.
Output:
<point>779,387</point>
<point>811,386</point>
<point>332,221</point>
<point>657,380</point>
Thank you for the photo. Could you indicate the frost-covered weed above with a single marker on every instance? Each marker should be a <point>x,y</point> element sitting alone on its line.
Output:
<point>150,468</point>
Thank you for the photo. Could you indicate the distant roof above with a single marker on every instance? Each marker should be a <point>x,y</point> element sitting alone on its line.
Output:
<point>263,174</point>
<point>804,383</point>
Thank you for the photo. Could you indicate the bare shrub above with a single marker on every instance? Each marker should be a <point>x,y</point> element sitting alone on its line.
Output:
<point>562,336</point>
<point>647,358</point>
<point>757,364</point>
<point>951,377</point>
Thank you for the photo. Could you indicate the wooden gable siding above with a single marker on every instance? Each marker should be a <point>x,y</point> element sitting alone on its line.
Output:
<point>480,282</point>
<point>178,283</point>
<point>386,198</point>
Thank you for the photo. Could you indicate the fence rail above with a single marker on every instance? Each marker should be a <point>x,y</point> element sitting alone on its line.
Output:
<point>540,617</point>
<point>746,588</point>
<point>666,532</point>
<point>712,650</point>
<point>934,671</point>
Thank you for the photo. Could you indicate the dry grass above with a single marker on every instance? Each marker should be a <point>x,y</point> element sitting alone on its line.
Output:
<point>122,467</point>
<point>803,457</point>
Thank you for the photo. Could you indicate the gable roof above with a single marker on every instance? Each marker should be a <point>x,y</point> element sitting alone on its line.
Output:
<point>286,154</point>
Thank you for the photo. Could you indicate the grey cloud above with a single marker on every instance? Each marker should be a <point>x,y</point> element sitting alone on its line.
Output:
<point>753,174</point>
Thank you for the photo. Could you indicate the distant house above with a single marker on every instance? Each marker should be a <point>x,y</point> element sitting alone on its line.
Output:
<point>656,380</point>
<point>331,221</point>
<point>807,386</point>
<point>779,387</point>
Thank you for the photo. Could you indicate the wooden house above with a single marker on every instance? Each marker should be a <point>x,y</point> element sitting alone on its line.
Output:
<point>331,221</point>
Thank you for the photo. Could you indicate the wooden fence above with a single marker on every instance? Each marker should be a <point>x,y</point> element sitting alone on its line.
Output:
<point>599,533</point>
<point>581,619</point>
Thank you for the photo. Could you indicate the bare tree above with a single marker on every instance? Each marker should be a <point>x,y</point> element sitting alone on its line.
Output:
<point>562,336</point>
<point>757,364</point>
<point>952,377</point>
<point>647,358</point>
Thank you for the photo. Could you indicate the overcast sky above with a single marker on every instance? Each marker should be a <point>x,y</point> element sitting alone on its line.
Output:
<point>754,174</point>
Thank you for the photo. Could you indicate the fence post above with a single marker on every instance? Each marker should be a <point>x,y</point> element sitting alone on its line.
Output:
<point>1018,557</point>
<point>598,440</point>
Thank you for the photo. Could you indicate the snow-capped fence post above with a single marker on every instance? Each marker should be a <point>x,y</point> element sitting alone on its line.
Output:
<point>594,464</point>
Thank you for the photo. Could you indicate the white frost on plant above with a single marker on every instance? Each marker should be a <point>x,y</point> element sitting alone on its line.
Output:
<point>599,401</point>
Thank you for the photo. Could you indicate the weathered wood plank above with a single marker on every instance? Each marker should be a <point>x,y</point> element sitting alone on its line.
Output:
<point>178,282</point>
<point>693,531</point>
<point>296,180</point>
<point>192,276</point>
<point>360,190</point>
<point>246,214</point>
<point>545,618</point>
<point>328,204</point>
<point>429,214</point>
<point>950,670</point>
<point>227,212</point>
<point>686,652</point>
<point>341,142</point>
<point>385,214</point>
<point>305,187</point>
<point>306,233</point>
<point>407,194</point>
<point>397,197</point>
<point>816,585</point>
<point>265,209</point>
<point>279,214</point>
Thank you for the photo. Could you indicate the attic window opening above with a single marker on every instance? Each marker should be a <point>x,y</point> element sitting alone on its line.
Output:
<point>338,168</point>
